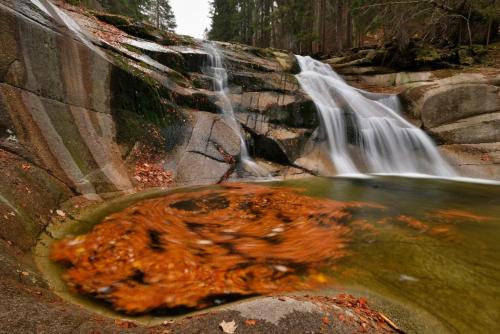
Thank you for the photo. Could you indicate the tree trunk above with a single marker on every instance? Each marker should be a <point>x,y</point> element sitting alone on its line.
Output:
<point>339,30</point>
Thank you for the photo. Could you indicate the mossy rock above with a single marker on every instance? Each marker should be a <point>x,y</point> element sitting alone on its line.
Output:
<point>141,107</point>
<point>114,20</point>
<point>427,55</point>
<point>130,26</point>
<point>464,57</point>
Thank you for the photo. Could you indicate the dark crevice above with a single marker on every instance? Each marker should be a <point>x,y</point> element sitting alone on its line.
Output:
<point>206,155</point>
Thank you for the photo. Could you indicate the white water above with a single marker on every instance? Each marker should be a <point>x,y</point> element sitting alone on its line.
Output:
<point>381,140</point>
<point>220,82</point>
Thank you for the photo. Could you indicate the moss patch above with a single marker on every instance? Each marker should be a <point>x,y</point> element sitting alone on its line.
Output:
<point>141,108</point>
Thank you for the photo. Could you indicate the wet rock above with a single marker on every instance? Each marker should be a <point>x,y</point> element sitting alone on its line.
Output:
<point>460,111</point>
<point>475,160</point>
<point>210,152</point>
<point>293,110</point>
<point>181,58</point>
<point>280,144</point>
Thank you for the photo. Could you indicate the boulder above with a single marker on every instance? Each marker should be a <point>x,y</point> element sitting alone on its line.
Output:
<point>462,113</point>
<point>471,130</point>
<point>450,103</point>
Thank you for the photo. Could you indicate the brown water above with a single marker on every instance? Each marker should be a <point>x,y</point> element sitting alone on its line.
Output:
<point>430,245</point>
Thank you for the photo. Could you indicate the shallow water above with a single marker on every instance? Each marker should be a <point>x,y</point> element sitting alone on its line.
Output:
<point>451,268</point>
<point>433,248</point>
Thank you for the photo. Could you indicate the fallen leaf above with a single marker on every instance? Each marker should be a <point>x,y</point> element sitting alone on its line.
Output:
<point>124,324</point>
<point>61,213</point>
<point>250,322</point>
<point>228,327</point>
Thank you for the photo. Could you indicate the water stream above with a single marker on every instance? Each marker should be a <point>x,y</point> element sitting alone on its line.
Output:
<point>220,81</point>
<point>366,134</point>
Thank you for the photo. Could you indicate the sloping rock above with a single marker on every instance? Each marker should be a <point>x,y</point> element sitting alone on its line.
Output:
<point>211,152</point>
<point>61,118</point>
<point>444,102</point>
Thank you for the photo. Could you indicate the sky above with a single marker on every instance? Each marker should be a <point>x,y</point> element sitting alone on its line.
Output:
<point>192,16</point>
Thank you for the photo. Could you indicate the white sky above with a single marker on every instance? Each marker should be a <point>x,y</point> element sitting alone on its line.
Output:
<point>192,16</point>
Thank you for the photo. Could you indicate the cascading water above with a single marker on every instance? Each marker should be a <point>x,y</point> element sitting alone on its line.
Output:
<point>220,81</point>
<point>386,142</point>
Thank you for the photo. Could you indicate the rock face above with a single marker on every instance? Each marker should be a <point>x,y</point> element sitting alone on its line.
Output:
<point>212,147</point>
<point>76,101</point>
<point>462,113</point>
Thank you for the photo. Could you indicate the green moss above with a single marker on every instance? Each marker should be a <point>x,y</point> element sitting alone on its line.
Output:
<point>141,107</point>
<point>427,54</point>
<point>264,53</point>
<point>115,20</point>
<point>132,48</point>
<point>168,38</point>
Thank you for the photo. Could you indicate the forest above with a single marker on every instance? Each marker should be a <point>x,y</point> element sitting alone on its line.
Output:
<point>325,26</point>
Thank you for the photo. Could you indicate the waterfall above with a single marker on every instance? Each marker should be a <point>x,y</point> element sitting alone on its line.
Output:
<point>366,132</point>
<point>220,82</point>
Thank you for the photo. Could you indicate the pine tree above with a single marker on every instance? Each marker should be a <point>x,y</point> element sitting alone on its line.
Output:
<point>324,26</point>
<point>225,19</point>
<point>159,13</point>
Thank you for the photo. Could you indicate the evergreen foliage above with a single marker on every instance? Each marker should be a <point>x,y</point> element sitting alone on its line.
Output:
<point>159,13</point>
<point>322,26</point>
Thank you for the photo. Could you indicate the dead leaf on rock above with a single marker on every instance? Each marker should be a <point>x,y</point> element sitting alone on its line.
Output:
<point>228,327</point>
<point>124,324</point>
<point>250,322</point>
